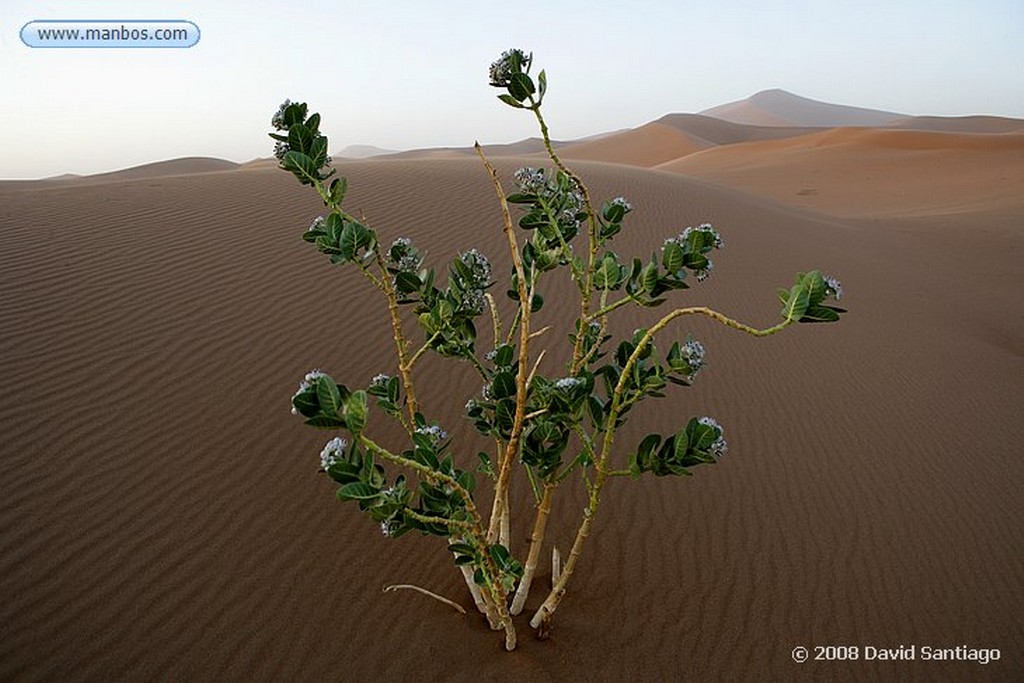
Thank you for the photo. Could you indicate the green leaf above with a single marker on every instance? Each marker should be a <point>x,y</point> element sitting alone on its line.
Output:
<point>542,81</point>
<point>461,548</point>
<point>306,403</point>
<point>520,86</point>
<point>467,480</point>
<point>500,555</point>
<point>356,411</point>
<point>294,113</point>
<point>672,258</point>
<point>326,422</point>
<point>328,395</point>
<point>407,283</point>
<point>301,166</point>
<point>464,559</point>
<point>796,304</point>
<point>646,449</point>
<point>338,189</point>
<point>503,386</point>
<point>300,139</point>
<point>649,278</point>
<point>318,151</point>
<point>349,241</point>
<point>485,464</point>
<point>701,436</point>
<point>820,314</point>
<point>357,490</point>
<point>815,285</point>
<point>596,410</point>
<point>504,355</point>
<point>680,444</point>
<point>511,101</point>
<point>504,415</point>
<point>613,213</point>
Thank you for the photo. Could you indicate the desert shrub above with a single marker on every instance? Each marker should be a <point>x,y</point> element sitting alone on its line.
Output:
<point>546,428</point>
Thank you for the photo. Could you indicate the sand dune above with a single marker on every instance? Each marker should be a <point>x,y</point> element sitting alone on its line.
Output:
<point>671,137</point>
<point>962,124</point>
<point>364,152</point>
<point>647,145</point>
<point>778,107</point>
<point>162,518</point>
<point>871,172</point>
<point>719,132</point>
<point>184,166</point>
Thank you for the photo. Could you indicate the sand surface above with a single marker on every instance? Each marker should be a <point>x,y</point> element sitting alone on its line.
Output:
<point>162,517</point>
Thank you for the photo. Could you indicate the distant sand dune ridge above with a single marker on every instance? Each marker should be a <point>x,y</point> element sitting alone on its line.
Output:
<point>869,172</point>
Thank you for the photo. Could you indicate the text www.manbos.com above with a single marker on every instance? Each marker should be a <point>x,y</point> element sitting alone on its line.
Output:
<point>110,34</point>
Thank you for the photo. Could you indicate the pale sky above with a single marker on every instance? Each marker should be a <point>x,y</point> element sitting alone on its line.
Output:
<point>405,74</point>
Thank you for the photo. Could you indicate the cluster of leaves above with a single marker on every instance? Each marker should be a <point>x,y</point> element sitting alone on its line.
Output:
<point>696,444</point>
<point>342,238</point>
<point>302,148</point>
<point>646,282</point>
<point>326,404</point>
<point>494,414</point>
<point>804,301</point>
<point>447,316</point>
<point>647,378</point>
<point>509,569</point>
<point>512,72</point>
<point>556,406</point>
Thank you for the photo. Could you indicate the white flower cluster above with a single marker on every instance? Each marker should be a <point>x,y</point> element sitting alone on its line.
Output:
<point>694,353</point>
<point>501,71</point>
<point>703,227</point>
<point>277,120</point>
<point>479,278</point>
<point>718,243</point>
<point>408,259</point>
<point>567,383</point>
<point>833,287</point>
<point>574,205</point>
<point>621,201</point>
<point>388,527</point>
<point>317,223</point>
<point>531,180</point>
<point>719,446</point>
<point>305,384</point>
<point>474,301</point>
<point>280,149</point>
<point>332,452</point>
<point>434,432</point>
<point>380,380</point>
<point>479,266</point>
